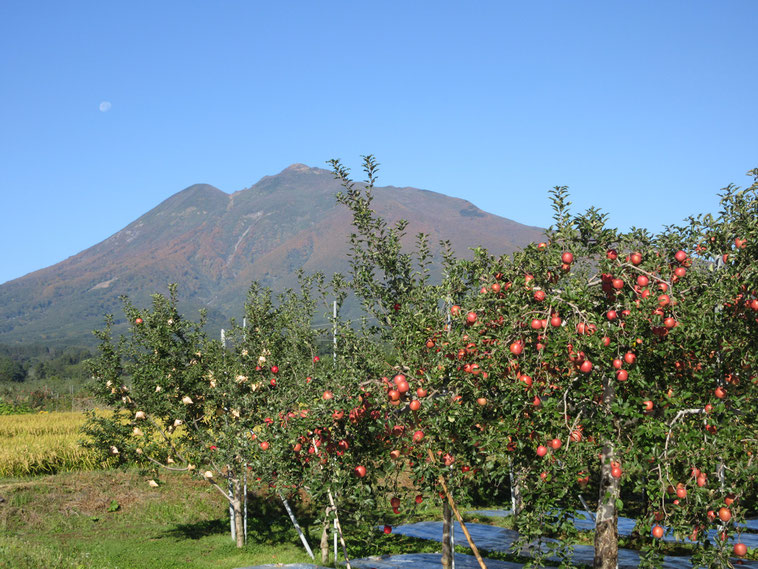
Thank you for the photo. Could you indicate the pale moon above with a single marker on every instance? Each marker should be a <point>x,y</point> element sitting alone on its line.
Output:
<point>105,106</point>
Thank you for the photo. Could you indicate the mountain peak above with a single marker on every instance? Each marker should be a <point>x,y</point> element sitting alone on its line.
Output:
<point>297,167</point>
<point>215,244</point>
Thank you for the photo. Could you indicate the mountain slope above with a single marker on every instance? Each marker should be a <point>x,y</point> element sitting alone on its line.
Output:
<point>214,244</point>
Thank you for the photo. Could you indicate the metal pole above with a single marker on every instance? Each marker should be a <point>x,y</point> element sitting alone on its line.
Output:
<point>334,535</point>
<point>586,507</point>
<point>231,513</point>
<point>245,498</point>
<point>297,526</point>
<point>452,536</point>
<point>334,332</point>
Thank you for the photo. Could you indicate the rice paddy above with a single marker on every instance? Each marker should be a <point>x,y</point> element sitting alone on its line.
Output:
<point>43,443</point>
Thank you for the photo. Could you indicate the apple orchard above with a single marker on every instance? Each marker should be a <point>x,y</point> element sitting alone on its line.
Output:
<point>617,367</point>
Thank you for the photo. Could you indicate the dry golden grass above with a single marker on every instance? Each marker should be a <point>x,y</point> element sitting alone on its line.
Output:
<point>43,443</point>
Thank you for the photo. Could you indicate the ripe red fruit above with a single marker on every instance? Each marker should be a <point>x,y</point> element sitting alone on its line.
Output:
<point>555,321</point>
<point>664,300</point>
<point>681,492</point>
<point>393,394</point>
<point>612,254</point>
<point>669,322</point>
<point>527,379</point>
<point>360,471</point>
<point>567,257</point>
<point>418,436</point>
<point>481,401</point>
<point>298,447</point>
<point>539,295</point>
<point>680,256</point>
<point>618,284</point>
<point>541,450</point>
<point>642,280</point>
<point>264,445</point>
<point>471,317</point>
<point>555,444</point>
<point>725,514</point>
<point>516,348</point>
<point>622,375</point>
<point>611,315</point>
<point>138,320</point>
<point>680,272</point>
<point>403,387</point>
<point>455,310</point>
<point>617,363</point>
<point>630,358</point>
<point>635,258</point>
<point>616,472</point>
<point>648,405</point>
<point>316,359</point>
<point>740,549</point>
<point>387,529</point>
<point>421,392</point>
<point>586,366</point>
<point>327,395</point>
<point>536,324</point>
<point>415,405</point>
<point>720,392</point>
<point>419,498</point>
<point>657,531</point>
<point>274,369</point>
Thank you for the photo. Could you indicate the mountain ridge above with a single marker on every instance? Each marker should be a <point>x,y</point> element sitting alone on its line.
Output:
<point>214,244</point>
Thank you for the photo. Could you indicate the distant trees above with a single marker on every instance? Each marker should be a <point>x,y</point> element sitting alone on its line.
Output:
<point>11,370</point>
<point>30,362</point>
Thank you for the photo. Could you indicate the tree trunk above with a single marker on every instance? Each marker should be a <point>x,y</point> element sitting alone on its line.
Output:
<point>606,520</point>
<point>447,526</point>
<point>517,502</point>
<point>325,540</point>
<point>239,524</point>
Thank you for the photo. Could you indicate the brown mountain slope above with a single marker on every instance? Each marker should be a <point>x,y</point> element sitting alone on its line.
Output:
<point>214,244</point>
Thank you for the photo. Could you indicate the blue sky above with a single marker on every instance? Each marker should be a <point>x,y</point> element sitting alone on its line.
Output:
<point>645,109</point>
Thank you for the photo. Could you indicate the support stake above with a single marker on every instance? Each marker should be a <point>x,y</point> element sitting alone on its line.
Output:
<point>339,531</point>
<point>297,526</point>
<point>458,516</point>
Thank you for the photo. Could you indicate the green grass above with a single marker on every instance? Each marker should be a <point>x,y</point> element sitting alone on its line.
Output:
<point>63,521</point>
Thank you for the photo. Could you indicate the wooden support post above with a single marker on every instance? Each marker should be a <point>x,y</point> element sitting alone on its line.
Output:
<point>458,516</point>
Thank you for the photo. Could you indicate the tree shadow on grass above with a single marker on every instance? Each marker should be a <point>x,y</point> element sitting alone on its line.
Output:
<point>198,530</point>
<point>267,523</point>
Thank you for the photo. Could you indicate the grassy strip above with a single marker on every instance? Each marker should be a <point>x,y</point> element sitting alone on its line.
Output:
<point>113,519</point>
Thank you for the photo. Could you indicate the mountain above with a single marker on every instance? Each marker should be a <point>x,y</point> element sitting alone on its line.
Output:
<point>215,244</point>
